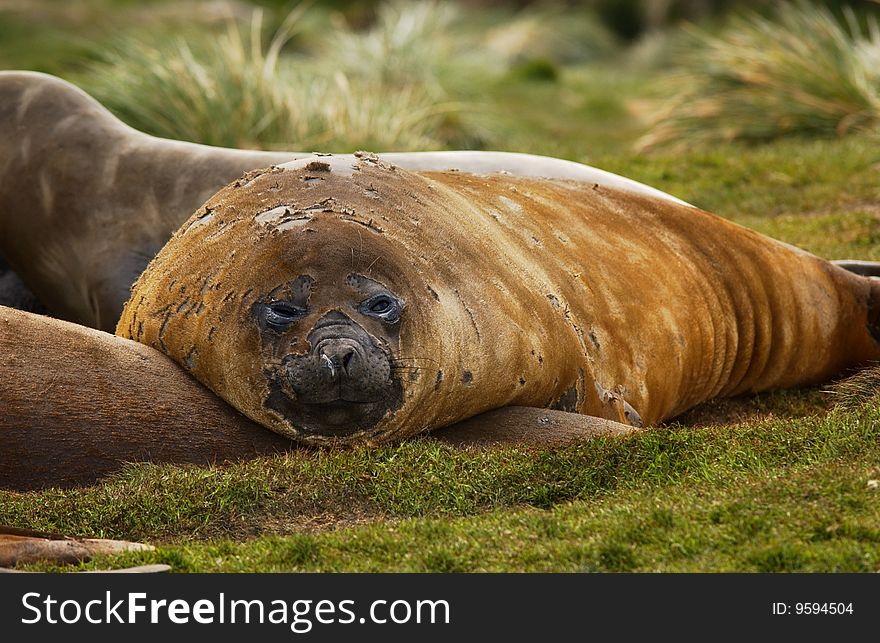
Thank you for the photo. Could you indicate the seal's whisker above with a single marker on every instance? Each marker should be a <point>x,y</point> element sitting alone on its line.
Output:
<point>415,359</point>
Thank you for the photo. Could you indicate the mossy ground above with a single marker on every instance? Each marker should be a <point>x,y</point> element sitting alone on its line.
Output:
<point>776,482</point>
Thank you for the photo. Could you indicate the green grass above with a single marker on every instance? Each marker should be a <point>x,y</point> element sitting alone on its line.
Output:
<point>772,495</point>
<point>773,482</point>
<point>823,195</point>
<point>66,38</point>
<point>583,115</point>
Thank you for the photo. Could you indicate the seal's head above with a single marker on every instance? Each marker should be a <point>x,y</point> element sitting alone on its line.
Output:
<point>340,299</point>
<point>265,296</point>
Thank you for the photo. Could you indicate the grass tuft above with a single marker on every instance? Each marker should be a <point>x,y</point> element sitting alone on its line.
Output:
<point>803,72</point>
<point>857,391</point>
<point>550,33</point>
<point>616,557</point>
<point>232,90</point>
<point>410,43</point>
<point>777,559</point>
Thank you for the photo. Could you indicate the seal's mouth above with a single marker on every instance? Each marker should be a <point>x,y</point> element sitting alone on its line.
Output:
<point>339,417</point>
<point>336,418</point>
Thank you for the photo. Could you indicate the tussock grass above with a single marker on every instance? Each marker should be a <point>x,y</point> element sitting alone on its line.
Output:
<point>800,72</point>
<point>550,33</point>
<point>416,78</point>
<point>410,43</point>
<point>231,90</point>
<point>226,90</point>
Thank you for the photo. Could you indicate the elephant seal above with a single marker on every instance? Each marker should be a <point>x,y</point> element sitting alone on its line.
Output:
<point>344,299</point>
<point>86,201</point>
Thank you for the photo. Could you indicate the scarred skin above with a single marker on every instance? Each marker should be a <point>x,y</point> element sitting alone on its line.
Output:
<point>510,292</point>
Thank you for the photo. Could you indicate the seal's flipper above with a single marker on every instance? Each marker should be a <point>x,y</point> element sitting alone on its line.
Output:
<point>867,284</point>
<point>528,426</point>
<point>76,404</point>
<point>864,268</point>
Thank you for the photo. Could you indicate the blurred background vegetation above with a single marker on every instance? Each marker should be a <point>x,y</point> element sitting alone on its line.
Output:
<point>572,79</point>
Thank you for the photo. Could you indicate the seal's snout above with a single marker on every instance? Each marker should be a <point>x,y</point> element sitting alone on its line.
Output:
<point>344,364</point>
<point>343,384</point>
<point>339,357</point>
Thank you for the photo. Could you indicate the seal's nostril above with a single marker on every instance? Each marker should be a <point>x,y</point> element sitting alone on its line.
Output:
<point>346,360</point>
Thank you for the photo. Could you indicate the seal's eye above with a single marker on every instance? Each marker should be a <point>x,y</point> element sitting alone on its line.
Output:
<point>384,307</point>
<point>282,313</point>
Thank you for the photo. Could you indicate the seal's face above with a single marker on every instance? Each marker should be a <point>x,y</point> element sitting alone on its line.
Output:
<point>330,353</point>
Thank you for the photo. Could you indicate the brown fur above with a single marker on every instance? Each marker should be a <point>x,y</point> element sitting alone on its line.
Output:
<point>520,292</point>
